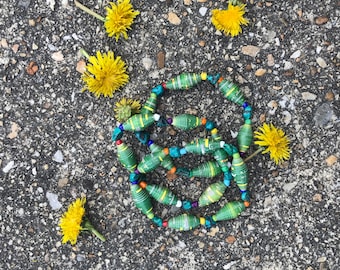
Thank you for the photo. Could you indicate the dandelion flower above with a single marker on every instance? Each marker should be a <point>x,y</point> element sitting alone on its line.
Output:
<point>125,108</point>
<point>73,222</point>
<point>104,74</point>
<point>119,18</point>
<point>229,21</point>
<point>274,141</point>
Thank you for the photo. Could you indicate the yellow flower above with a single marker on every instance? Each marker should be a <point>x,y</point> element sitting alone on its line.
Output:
<point>104,74</point>
<point>70,222</point>
<point>229,21</point>
<point>119,18</point>
<point>275,141</point>
<point>126,108</point>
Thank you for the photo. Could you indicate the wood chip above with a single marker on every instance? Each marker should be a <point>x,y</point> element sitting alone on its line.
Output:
<point>161,59</point>
<point>173,18</point>
<point>32,68</point>
<point>321,20</point>
<point>260,72</point>
<point>332,159</point>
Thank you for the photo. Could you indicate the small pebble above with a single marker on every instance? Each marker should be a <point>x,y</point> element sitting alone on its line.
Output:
<point>161,59</point>
<point>53,200</point>
<point>317,197</point>
<point>58,56</point>
<point>329,96</point>
<point>8,167</point>
<point>308,96</point>
<point>270,60</point>
<point>250,50</point>
<point>260,72</point>
<point>287,117</point>
<point>322,259</point>
<point>331,160</point>
<point>287,65</point>
<point>203,11</point>
<point>58,157</point>
<point>173,18</point>
<point>230,239</point>
<point>296,54</point>
<point>323,114</point>
<point>321,62</point>
<point>32,68</point>
<point>147,63</point>
<point>81,66</point>
<point>321,20</point>
<point>14,131</point>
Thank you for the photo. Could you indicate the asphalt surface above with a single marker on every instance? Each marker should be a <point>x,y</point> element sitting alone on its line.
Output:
<point>56,140</point>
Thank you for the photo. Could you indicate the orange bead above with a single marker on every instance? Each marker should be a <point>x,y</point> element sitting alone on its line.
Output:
<point>172,170</point>
<point>220,79</point>
<point>204,121</point>
<point>143,184</point>
<point>166,151</point>
<point>246,204</point>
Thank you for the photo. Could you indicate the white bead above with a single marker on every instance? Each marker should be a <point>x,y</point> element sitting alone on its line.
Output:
<point>156,116</point>
<point>179,204</point>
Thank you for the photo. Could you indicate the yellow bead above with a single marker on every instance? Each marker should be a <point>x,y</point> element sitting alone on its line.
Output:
<point>204,76</point>
<point>202,220</point>
<point>214,131</point>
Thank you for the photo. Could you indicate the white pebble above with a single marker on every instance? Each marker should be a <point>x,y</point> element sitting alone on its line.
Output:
<point>147,63</point>
<point>53,200</point>
<point>203,11</point>
<point>321,62</point>
<point>58,157</point>
<point>308,96</point>
<point>296,54</point>
<point>8,167</point>
<point>287,117</point>
<point>318,49</point>
<point>288,65</point>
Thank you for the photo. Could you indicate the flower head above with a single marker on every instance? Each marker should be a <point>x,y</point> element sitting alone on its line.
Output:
<point>119,18</point>
<point>229,21</point>
<point>105,74</point>
<point>70,222</point>
<point>125,108</point>
<point>275,141</point>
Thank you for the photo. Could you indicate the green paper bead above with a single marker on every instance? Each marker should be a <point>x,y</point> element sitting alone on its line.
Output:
<point>240,172</point>
<point>202,146</point>
<point>150,105</point>
<point>184,222</point>
<point>208,169</point>
<point>245,136</point>
<point>186,121</point>
<point>221,156</point>
<point>232,92</point>
<point>142,200</point>
<point>212,194</point>
<point>162,194</point>
<point>167,161</point>
<point>229,211</point>
<point>183,81</point>
<point>138,122</point>
<point>151,161</point>
<point>126,157</point>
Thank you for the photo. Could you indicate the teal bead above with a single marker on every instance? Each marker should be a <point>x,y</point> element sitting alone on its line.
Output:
<point>158,90</point>
<point>175,152</point>
<point>117,134</point>
<point>158,221</point>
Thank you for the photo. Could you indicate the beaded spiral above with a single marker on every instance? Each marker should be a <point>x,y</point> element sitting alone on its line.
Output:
<point>227,158</point>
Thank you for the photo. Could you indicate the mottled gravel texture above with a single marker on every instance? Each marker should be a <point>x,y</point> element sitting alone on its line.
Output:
<point>55,139</point>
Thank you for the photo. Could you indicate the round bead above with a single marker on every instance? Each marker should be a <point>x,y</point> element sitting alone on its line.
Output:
<point>186,205</point>
<point>179,204</point>
<point>165,223</point>
<point>119,142</point>
<point>209,125</point>
<point>169,120</point>
<point>194,204</point>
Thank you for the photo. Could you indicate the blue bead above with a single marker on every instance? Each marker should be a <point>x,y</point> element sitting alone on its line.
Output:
<point>143,137</point>
<point>150,142</point>
<point>213,78</point>
<point>186,205</point>
<point>183,151</point>
<point>158,90</point>
<point>245,105</point>
<point>121,126</point>
<point>247,113</point>
<point>158,221</point>
<point>227,178</point>
<point>245,196</point>
<point>209,222</point>
<point>134,177</point>
<point>209,125</point>
<point>175,152</point>
<point>116,134</point>
<point>183,172</point>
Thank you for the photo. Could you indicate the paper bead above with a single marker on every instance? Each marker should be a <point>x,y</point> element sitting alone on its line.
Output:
<point>231,91</point>
<point>150,105</point>
<point>240,172</point>
<point>245,136</point>
<point>221,156</point>
<point>161,194</point>
<point>152,161</point>
<point>207,169</point>
<point>186,121</point>
<point>183,81</point>
<point>126,157</point>
<point>142,200</point>
<point>229,211</point>
<point>184,222</point>
<point>202,146</point>
<point>138,122</point>
<point>167,160</point>
<point>212,194</point>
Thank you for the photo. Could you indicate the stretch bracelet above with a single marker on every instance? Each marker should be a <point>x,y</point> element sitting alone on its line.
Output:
<point>227,158</point>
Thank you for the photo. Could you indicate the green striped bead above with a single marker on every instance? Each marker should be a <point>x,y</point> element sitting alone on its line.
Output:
<point>229,211</point>
<point>202,146</point>
<point>221,156</point>
<point>167,161</point>
<point>138,122</point>
<point>208,169</point>
<point>184,222</point>
<point>212,194</point>
<point>150,105</point>
<point>142,200</point>
<point>162,194</point>
<point>186,121</point>
<point>231,91</point>
<point>126,157</point>
<point>183,81</point>
<point>245,136</point>
<point>151,161</point>
<point>240,172</point>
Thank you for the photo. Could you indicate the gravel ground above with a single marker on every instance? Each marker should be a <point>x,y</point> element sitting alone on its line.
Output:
<point>55,140</point>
